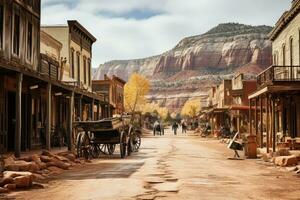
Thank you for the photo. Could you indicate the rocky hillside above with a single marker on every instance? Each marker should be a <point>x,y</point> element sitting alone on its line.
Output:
<point>199,61</point>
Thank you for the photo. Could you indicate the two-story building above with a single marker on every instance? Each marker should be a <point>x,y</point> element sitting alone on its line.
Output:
<point>76,56</point>
<point>33,98</point>
<point>113,89</point>
<point>278,94</point>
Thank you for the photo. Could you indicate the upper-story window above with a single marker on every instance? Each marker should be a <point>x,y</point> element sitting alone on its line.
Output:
<point>78,66</point>
<point>283,55</point>
<point>89,72</point>
<point>291,52</point>
<point>29,41</point>
<point>72,64</point>
<point>84,70</point>
<point>16,33</point>
<point>1,26</point>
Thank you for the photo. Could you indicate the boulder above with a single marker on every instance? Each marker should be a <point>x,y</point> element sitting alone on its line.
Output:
<point>38,177</point>
<point>55,170</point>
<point>10,186</point>
<point>3,190</point>
<point>46,159</point>
<point>13,174</point>
<point>59,164</point>
<point>23,181</point>
<point>21,165</point>
<point>6,180</point>
<point>285,161</point>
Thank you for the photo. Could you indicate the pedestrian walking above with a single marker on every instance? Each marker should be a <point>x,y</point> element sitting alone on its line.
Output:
<point>183,127</point>
<point>175,127</point>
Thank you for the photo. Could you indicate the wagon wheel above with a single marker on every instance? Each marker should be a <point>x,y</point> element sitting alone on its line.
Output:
<point>122,144</point>
<point>107,149</point>
<point>95,150</point>
<point>129,147</point>
<point>136,142</point>
<point>84,147</point>
<point>79,144</point>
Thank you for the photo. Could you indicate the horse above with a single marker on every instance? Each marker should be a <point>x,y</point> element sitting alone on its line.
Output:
<point>158,128</point>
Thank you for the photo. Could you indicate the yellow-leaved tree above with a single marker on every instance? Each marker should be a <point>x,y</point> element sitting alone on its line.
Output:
<point>135,92</point>
<point>152,107</point>
<point>191,108</point>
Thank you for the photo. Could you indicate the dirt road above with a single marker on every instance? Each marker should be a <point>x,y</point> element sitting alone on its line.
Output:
<point>172,167</point>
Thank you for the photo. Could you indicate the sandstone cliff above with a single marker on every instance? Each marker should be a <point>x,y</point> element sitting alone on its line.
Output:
<point>197,62</point>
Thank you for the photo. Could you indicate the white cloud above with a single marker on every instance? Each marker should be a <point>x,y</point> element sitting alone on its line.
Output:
<point>122,34</point>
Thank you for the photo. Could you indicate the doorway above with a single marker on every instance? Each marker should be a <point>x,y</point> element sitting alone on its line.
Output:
<point>11,116</point>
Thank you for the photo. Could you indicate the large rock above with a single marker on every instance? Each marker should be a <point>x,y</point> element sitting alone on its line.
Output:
<point>6,180</point>
<point>285,161</point>
<point>3,190</point>
<point>59,164</point>
<point>10,186</point>
<point>21,165</point>
<point>23,181</point>
<point>14,174</point>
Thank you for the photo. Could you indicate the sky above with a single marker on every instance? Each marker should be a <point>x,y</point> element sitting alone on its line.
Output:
<point>130,29</point>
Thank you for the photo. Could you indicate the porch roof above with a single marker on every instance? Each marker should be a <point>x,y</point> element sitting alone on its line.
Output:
<point>275,89</point>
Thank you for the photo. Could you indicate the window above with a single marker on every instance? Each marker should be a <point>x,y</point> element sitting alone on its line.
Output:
<point>84,69</point>
<point>16,34</point>
<point>291,52</point>
<point>89,72</point>
<point>72,64</point>
<point>1,26</point>
<point>29,41</point>
<point>283,55</point>
<point>78,67</point>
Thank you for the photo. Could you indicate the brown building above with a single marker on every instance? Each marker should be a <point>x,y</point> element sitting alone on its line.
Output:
<point>228,104</point>
<point>277,100</point>
<point>32,97</point>
<point>113,89</point>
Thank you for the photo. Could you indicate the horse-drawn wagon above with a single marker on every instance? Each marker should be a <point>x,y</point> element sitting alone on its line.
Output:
<point>96,137</point>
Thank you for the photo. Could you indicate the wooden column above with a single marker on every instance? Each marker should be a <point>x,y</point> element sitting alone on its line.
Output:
<point>48,117</point>
<point>267,106</point>
<point>18,131</point>
<point>80,109</point>
<point>70,124</point>
<point>273,125</point>
<point>261,123</point>
<point>92,110</point>
<point>250,116</point>
<point>256,118</point>
<point>98,111</point>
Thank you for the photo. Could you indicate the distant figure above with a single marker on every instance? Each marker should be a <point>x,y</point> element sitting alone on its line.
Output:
<point>156,127</point>
<point>175,127</point>
<point>184,127</point>
<point>162,130</point>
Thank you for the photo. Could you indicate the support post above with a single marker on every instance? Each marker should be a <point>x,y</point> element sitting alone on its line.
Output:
<point>250,116</point>
<point>273,125</point>
<point>268,133</point>
<point>261,123</point>
<point>18,131</point>
<point>98,111</point>
<point>80,109</point>
<point>48,117</point>
<point>92,110</point>
<point>70,127</point>
<point>256,119</point>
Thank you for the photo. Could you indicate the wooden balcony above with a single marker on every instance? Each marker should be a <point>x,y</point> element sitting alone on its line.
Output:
<point>279,75</point>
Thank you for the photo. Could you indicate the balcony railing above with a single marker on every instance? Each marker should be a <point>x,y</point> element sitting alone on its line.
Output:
<point>278,74</point>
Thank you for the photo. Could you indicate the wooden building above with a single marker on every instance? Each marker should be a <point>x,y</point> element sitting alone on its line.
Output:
<point>30,83</point>
<point>113,89</point>
<point>277,99</point>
